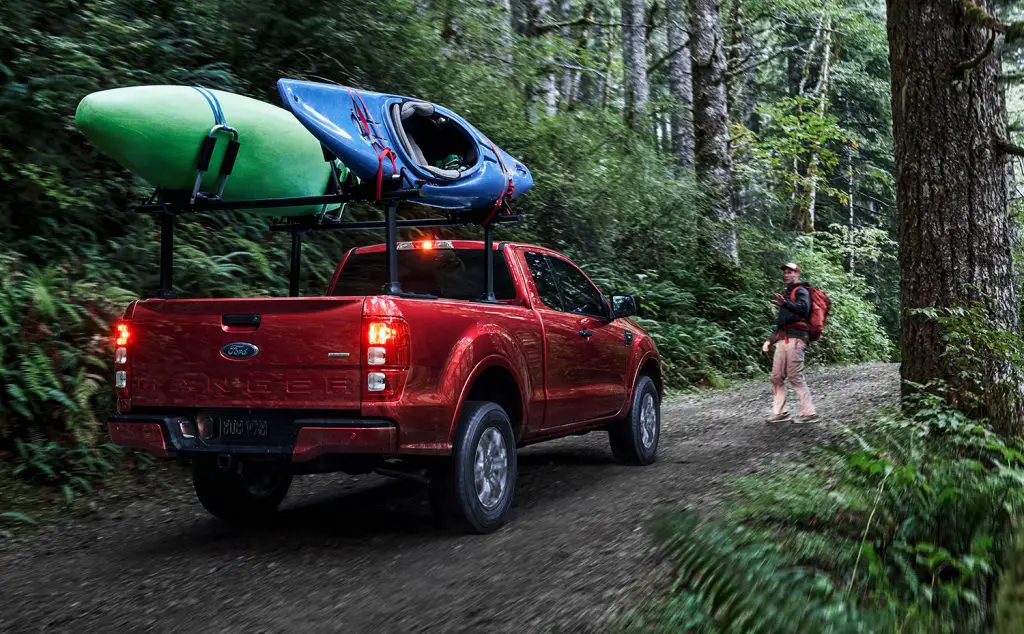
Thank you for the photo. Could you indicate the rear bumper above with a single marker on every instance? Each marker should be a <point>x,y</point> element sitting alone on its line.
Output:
<point>300,439</point>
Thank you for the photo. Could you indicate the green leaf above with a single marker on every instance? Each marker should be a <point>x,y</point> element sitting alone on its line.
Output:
<point>15,516</point>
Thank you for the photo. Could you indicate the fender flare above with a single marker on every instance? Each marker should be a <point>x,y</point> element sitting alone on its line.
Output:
<point>647,356</point>
<point>488,362</point>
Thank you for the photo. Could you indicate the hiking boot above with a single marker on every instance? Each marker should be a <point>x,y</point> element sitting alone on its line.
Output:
<point>808,420</point>
<point>779,418</point>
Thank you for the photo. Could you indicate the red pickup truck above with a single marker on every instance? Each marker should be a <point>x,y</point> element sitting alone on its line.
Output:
<point>437,383</point>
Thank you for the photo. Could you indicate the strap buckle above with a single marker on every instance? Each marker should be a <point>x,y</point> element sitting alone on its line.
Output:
<point>227,164</point>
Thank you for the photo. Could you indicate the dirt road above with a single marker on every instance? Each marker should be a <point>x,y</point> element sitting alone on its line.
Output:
<point>364,555</point>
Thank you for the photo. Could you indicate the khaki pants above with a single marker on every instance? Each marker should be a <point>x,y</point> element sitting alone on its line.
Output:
<point>789,363</point>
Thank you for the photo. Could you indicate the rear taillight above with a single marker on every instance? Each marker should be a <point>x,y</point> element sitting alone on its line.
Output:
<point>122,336</point>
<point>124,333</point>
<point>387,358</point>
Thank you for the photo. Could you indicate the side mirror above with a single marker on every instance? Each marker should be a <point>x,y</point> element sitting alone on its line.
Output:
<point>625,306</point>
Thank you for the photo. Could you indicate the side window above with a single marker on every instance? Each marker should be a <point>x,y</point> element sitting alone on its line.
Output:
<point>579,294</point>
<point>543,279</point>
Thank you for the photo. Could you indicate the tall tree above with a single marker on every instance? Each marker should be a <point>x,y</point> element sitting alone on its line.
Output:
<point>806,221</point>
<point>949,127</point>
<point>740,76</point>
<point>712,161</point>
<point>679,84</point>
<point>634,56</point>
<point>593,49</point>
<point>542,88</point>
<point>567,82</point>
<point>741,66</point>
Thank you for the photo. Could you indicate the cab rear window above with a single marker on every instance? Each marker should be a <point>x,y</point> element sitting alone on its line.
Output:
<point>445,273</point>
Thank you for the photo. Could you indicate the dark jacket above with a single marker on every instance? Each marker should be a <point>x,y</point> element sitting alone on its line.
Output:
<point>793,314</point>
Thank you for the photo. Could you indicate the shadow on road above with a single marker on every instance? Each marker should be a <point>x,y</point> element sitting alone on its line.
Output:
<point>382,511</point>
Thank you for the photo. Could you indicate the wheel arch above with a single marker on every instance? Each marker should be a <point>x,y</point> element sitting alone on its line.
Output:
<point>493,379</point>
<point>651,366</point>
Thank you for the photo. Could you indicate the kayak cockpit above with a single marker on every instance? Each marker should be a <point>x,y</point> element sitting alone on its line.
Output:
<point>436,143</point>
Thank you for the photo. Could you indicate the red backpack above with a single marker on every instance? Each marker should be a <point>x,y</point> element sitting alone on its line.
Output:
<point>820,307</point>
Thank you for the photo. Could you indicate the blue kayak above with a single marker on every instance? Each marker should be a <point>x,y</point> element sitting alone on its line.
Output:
<point>430,147</point>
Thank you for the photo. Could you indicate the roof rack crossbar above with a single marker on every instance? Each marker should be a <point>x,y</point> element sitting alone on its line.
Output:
<point>170,207</point>
<point>366,225</point>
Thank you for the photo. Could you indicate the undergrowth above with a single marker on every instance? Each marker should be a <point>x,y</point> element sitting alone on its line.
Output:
<point>899,528</point>
<point>904,524</point>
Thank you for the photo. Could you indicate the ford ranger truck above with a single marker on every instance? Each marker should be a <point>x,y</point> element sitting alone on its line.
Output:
<point>435,383</point>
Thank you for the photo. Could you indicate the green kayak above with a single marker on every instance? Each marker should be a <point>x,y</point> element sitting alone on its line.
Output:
<point>156,132</point>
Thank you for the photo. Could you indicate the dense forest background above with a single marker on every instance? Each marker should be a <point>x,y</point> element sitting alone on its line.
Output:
<point>595,97</point>
<point>682,150</point>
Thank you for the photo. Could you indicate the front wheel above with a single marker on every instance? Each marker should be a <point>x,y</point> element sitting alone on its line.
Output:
<point>250,495</point>
<point>634,439</point>
<point>476,488</point>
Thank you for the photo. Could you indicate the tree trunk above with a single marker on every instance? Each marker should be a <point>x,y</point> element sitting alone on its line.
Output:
<point>740,94</point>
<point>634,56</point>
<point>712,162</point>
<point>747,101</point>
<point>740,56</point>
<point>951,191</point>
<point>821,93</point>
<point>542,88</point>
<point>591,85</point>
<point>568,75</point>
<point>851,221</point>
<point>680,85</point>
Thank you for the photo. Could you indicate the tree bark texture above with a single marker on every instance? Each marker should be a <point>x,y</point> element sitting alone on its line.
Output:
<point>543,88</point>
<point>567,82</point>
<point>740,84</point>
<point>821,94</point>
<point>634,56</point>
<point>680,85</point>
<point>591,84</point>
<point>951,192</point>
<point>712,162</point>
<point>851,221</point>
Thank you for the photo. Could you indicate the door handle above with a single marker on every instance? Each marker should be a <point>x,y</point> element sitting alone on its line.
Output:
<point>586,333</point>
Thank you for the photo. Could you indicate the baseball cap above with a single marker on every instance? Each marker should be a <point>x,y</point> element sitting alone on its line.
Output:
<point>790,265</point>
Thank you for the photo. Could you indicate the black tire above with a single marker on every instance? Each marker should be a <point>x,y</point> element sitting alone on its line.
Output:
<point>627,436</point>
<point>454,491</point>
<point>236,497</point>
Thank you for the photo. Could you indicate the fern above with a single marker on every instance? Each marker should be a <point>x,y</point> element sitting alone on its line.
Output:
<point>897,529</point>
<point>14,516</point>
<point>749,586</point>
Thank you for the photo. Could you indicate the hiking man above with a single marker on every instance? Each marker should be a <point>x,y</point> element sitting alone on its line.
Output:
<point>791,337</point>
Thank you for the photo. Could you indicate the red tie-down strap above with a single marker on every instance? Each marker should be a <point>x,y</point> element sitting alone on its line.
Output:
<point>506,192</point>
<point>382,150</point>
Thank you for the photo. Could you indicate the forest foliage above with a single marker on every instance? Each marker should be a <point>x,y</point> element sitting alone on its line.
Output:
<point>610,196</point>
<point>858,537</point>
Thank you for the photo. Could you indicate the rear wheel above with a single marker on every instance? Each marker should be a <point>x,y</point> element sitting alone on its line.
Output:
<point>234,495</point>
<point>477,486</point>
<point>634,439</point>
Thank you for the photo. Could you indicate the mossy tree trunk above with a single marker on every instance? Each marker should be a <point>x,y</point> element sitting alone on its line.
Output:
<point>634,57</point>
<point>680,85</point>
<point>712,161</point>
<point>952,194</point>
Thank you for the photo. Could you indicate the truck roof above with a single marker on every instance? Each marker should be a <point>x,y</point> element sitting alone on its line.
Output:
<point>429,243</point>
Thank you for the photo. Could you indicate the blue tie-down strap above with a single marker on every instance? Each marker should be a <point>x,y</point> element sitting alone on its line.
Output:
<point>210,142</point>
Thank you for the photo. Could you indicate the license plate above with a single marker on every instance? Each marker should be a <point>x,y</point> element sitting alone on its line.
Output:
<point>238,428</point>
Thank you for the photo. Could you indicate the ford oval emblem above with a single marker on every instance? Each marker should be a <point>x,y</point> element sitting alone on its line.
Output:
<point>239,351</point>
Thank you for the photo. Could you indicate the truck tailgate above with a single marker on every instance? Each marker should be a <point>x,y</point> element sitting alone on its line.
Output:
<point>294,353</point>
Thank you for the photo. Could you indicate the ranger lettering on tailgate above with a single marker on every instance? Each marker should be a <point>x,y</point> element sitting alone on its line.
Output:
<point>204,385</point>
